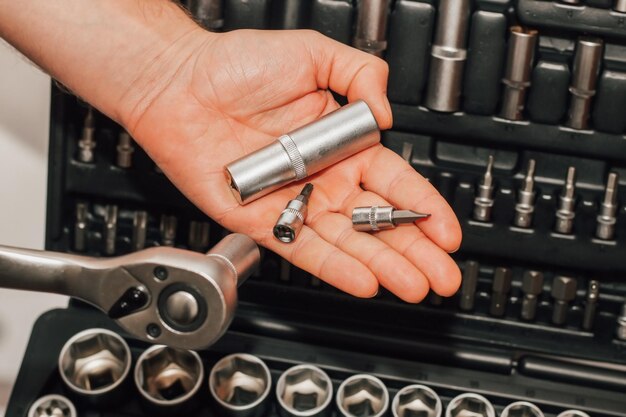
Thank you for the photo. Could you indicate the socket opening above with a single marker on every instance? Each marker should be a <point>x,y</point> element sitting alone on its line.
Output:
<point>94,361</point>
<point>416,401</point>
<point>304,390</point>
<point>284,233</point>
<point>573,413</point>
<point>527,32</point>
<point>240,381</point>
<point>52,406</point>
<point>234,188</point>
<point>470,405</point>
<point>521,409</point>
<point>168,376</point>
<point>362,396</point>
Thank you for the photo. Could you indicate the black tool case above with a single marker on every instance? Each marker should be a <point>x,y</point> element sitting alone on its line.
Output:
<point>286,316</point>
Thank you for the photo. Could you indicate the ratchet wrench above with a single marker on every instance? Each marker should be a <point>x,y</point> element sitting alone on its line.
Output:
<point>161,295</point>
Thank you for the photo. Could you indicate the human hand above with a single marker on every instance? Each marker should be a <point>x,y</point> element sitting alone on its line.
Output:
<point>241,90</point>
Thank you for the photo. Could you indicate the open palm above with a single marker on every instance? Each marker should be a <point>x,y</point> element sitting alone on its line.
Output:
<point>241,90</point>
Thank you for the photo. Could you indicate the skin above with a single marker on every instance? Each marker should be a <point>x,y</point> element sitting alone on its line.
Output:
<point>196,100</point>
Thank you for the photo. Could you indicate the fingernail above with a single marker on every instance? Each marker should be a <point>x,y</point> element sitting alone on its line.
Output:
<point>455,250</point>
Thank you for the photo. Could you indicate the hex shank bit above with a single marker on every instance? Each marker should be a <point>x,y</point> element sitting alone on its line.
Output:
<point>500,291</point>
<point>375,218</point>
<point>303,152</point>
<point>483,203</point>
<point>87,142</point>
<point>584,78</point>
<point>532,286</point>
<point>125,150</point>
<point>519,64</point>
<point>567,202</point>
<point>110,229</point>
<point>468,286</point>
<point>621,323</point>
<point>292,218</point>
<point>448,56</point>
<point>591,304</point>
<point>607,219</point>
<point>563,291</point>
<point>525,207</point>
<point>80,227</point>
<point>371,26</point>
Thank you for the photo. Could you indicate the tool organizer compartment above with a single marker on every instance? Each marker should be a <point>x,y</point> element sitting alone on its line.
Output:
<point>540,316</point>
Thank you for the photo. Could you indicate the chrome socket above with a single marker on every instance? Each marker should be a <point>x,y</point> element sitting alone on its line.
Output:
<point>371,27</point>
<point>240,384</point>
<point>168,377</point>
<point>519,66</point>
<point>304,391</point>
<point>573,413</point>
<point>362,395</point>
<point>470,405</point>
<point>416,400</point>
<point>52,406</point>
<point>94,362</point>
<point>521,409</point>
<point>303,152</point>
<point>584,79</point>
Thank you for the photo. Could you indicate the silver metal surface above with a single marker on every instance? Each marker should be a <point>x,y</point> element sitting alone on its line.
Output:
<point>52,405</point>
<point>80,227</point>
<point>500,288</point>
<point>468,285</point>
<point>591,304</point>
<point>519,64</point>
<point>182,307</point>
<point>104,282</point>
<point>87,142</point>
<point>567,203</point>
<point>94,362</point>
<point>362,396</point>
<point>563,291</point>
<point>573,413</point>
<point>416,401</point>
<point>304,391</point>
<point>240,384</point>
<point>621,323</point>
<point>521,409</point>
<point>125,150</point>
<point>620,6</point>
<point>583,83</point>
<point>140,229</point>
<point>168,229</point>
<point>110,229</point>
<point>375,218</point>
<point>470,405</point>
<point>448,56</point>
<point>166,376</point>
<point>198,236</point>
<point>371,26</point>
<point>292,218</point>
<point>525,207</point>
<point>607,219</point>
<point>303,152</point>
<point>483,202</point>
<point>208,12</point>
<point>532,287</point>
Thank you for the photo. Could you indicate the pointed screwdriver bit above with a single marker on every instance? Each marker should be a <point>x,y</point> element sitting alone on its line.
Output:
<point>291,219</point>
<point>483,202</point>
<point>567,202</point>
<point>591,304</point>
<point>374,218</point>
<point>525,206</point>
<point>608,210</point>
<point>87,142</point>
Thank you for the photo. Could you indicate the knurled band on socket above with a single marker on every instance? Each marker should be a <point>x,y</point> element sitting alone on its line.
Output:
<point>294,156</point>
<point>295,212</point>
<point>373,221</point>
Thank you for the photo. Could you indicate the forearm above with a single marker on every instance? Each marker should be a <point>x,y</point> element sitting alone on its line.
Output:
<point>116,54</point>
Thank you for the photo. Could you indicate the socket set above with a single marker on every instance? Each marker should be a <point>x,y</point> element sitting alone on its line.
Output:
<point>512,110</point>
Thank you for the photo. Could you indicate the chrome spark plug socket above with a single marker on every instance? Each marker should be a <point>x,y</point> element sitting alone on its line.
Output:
<point>52,406</point>
<point>303,152</point>
<point>94,363</point>
<point>362,395</point>
<point>416,400</point>
<point>240,385</point>
<point>470,405</point>
<point>304,391</point>
<point>168,378</point>
<point>521,409</point>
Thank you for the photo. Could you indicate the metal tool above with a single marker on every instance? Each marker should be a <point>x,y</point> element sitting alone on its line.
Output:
<point>525,207</point>
<point>532,287</point>
<point>362,395</point>
<point>607,219</point>
<point>584,79</point>
<point>199,233</point>
<point>110,229</point>
<point>470,404</point>
<point>80,227</point>
<point>567,203</point>
<point>168,230</point>
<point>167,376</point>
<point>52,405</point>
<point>371,26</point>
<point>591,304</point>
<point>448,56</point>
<point>621,323</point>
<point>94,362</point>
<point>483,203</point>
<point>304,391</point>
<point>291,219</point>
<point>620,6</point>
<point>416,400</point>
<point>303,152</point>
<point>468,285</point>
<point>563,291</point>
<point>519,65</point>
<point>209,13</point>
<point>140,230</point>
<point>87,142</point>
<point>521,409</point>
<point>375,218</point>
<point>407,151</point>
<point>161,295</point>
<point>501,287</point>
<point>125,150</point>
<point>240,384</point>
<point>573,413</point>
